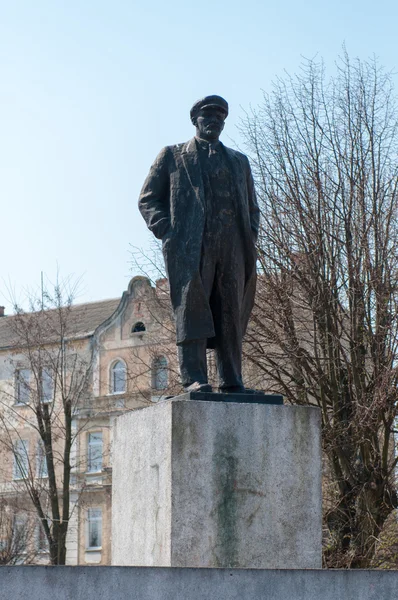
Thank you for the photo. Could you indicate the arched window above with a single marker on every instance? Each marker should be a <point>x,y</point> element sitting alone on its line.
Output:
<point>138,327</point>
<point>160,375</point>
<point>118,377</point>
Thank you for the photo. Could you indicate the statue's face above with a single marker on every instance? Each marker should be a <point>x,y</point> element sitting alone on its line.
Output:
<point>210,123</point>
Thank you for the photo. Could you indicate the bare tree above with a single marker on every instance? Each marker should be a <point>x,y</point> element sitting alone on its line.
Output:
<point>325,326</point>
<point>53,377</point>
<point>18,534</point>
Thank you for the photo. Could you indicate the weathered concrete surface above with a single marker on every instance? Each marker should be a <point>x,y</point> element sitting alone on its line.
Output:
<point>141,583</point>
<point>209,484</point>
<point>141,488</point>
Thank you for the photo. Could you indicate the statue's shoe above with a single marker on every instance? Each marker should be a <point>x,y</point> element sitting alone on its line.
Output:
<point>199,387</point>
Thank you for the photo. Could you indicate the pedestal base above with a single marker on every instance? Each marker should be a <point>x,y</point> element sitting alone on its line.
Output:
<point>217,484</point>
<point>256,398</point>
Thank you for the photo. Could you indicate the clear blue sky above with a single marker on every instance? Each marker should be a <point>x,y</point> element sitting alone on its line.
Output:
<point>90,91</point>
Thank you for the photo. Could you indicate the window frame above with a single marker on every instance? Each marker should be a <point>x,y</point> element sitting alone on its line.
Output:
<point>156,368</point>
<point>41,460</point>
<point>89,459</point>
<point>20,384</point>
<point>112,380</point>
<point>90,520</point>
<point>20,522</point>
<point>49,377</point>
<point>41,537</point>
<point>17,474</point>
<point>140,331</point>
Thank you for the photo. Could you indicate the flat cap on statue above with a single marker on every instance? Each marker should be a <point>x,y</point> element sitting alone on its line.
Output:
<point>209,101</point>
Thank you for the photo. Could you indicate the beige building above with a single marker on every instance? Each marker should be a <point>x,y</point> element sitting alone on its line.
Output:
<point>125,348</point>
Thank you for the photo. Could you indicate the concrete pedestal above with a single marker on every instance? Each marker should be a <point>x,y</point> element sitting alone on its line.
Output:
<point>212,484</point>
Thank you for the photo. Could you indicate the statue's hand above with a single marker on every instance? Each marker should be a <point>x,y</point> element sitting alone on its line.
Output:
<point>166,237</point>
<point>161,228</point>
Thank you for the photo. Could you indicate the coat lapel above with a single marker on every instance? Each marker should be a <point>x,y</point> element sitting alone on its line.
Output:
<point>237,171</point>
<point>190,159</point>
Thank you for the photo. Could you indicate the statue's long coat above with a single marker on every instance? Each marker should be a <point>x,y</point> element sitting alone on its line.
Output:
<point>172,202</point>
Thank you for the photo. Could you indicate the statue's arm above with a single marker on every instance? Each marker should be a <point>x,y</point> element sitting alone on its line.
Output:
<point>253,206</point>
<point>154,200</point>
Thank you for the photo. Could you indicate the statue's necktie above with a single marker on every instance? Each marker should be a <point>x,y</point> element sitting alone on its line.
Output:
<point>212,150</point>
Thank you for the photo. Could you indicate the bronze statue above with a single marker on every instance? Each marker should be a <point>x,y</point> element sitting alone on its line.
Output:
<point>199,199</point>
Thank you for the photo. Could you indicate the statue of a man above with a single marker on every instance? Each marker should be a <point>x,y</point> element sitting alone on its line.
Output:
<point>199,200</point>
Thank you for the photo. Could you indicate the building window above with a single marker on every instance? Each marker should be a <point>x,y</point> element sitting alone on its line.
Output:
<point>41,462</point>
<point>20,534</point>
<point>139,327</point>
<point>94,528</point>
<point>22,385</point>
<point>41,538</point>
<point>94,452</point>
<point>47,386</point>
<point>118,377</point>
<point>21,459</point>
<point>160,374</point>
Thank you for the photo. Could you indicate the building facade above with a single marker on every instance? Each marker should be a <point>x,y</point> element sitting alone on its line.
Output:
<point>125,349</point>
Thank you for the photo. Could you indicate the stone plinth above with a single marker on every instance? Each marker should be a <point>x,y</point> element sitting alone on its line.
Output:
<point>213,484</point>
<point>254,398</point>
